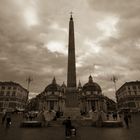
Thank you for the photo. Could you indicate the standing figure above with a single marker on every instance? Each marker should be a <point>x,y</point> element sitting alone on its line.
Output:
<point>129,117</point>
<point>68,126</point>
<point>8,120</point>
<point>126,119</point>
<point>107,116</point>
<point>3,116</point>
<point>113,115</point>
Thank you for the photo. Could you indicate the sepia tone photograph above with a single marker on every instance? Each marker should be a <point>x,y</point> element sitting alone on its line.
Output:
<point>69,70</point>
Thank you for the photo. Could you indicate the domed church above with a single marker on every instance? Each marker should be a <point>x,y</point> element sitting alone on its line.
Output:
<point>91,97</point>
<point>53,97</point>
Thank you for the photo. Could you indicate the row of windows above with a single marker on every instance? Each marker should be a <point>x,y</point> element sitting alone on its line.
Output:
<point>8,93</point>
<point>2,93</point>
<point>129,93</point>
<point>134,88</point>
<point>125,94</point>
<point>13,99</point>
<point>10,88</point>
<point>130,104</point>
<point>52,93</point>
<point>11,104</point>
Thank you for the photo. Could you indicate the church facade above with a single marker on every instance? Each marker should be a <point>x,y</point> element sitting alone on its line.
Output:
<point>89,97</point>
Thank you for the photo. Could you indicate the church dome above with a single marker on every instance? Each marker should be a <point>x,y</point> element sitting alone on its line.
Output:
<point>53,86</point>
<point>92,86</point>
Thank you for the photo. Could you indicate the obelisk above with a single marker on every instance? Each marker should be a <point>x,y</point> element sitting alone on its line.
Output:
<point>71,75</point>
<point>72,108</point>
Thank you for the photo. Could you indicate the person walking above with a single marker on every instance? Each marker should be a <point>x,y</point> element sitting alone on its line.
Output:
<point>68,126</point>
<point>107,116</point>
<point>126,119</point>
<point>129,117</point>
<point>8,120</point>
<point>3,116</point>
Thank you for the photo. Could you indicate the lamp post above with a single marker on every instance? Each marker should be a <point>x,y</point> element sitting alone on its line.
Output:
<point>29,80</point>
<point>114,79</point>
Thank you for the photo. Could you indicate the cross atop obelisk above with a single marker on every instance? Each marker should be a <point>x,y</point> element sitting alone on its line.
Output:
<point>71,14</point>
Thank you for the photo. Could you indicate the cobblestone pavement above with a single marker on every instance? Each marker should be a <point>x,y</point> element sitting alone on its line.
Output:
<point>57,132</point>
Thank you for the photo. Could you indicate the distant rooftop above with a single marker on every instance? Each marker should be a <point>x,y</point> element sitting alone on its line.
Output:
<point>129,83</point>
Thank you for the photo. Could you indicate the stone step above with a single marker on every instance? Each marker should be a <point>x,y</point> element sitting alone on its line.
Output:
<point>108,124</point>
<point>31,124</point>
<point>112,124</point>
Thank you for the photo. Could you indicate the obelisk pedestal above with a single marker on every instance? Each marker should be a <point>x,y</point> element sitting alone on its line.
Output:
<point>72,104</point>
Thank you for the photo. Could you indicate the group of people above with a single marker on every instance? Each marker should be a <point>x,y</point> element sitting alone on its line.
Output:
<point>124,116</point>
<point>29,115</point>
<point>45,116</point>
<point>114,116</point>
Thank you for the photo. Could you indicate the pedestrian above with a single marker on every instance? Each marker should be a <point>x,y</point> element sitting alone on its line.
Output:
<point>3,116</point>
<point>129,117</point>
<point>126,119</point>
<point>8,120</point>
<point>26,116</point>
<point>107,116</point>
<point>68,127</point>
<point>114,116</point>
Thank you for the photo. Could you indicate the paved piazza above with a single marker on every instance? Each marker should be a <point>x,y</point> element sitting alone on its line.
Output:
<point>57,132</point>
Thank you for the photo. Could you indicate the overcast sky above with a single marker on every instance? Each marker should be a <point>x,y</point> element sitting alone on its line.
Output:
<point>34,41</point>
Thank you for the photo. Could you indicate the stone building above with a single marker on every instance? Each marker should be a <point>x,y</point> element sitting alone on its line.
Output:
<point>90,96</point>
<point>52,98</point>
<point>128,96</point>
<point>12,96</point>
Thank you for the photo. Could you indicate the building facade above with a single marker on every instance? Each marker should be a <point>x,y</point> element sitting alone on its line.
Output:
<point>12,96</point>
<point>52,98</point>
<point>90,96</point>
<point>128,96</point>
